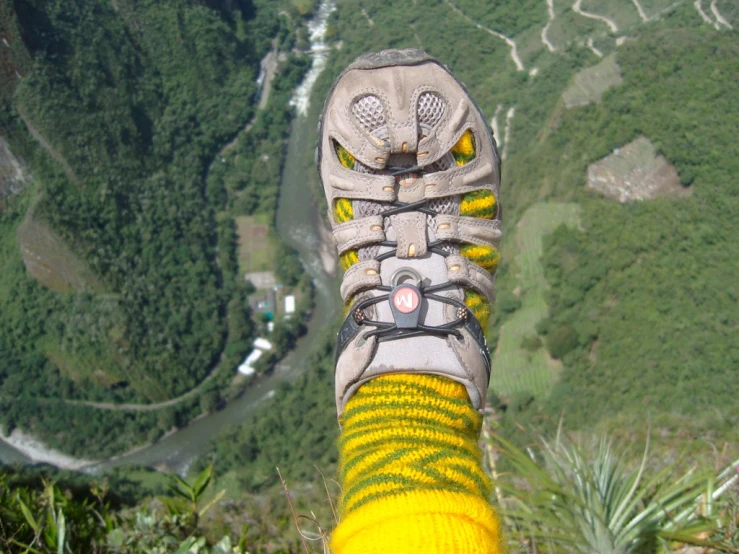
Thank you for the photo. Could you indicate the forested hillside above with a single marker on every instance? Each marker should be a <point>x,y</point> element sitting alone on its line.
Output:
<point>118,278</point>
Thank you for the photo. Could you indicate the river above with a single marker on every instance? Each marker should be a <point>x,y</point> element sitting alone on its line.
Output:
<point>299,225</point>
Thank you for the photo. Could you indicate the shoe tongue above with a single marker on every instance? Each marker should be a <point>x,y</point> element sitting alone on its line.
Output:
<point>401,160</point>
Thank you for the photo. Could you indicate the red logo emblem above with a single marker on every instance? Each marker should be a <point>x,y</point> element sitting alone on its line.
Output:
<point>406,300</point>
<point>407,181</point>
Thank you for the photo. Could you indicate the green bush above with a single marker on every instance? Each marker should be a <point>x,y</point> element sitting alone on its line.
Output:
<point>508,302</point>
<point>562,341</point>
<point>531,343</point>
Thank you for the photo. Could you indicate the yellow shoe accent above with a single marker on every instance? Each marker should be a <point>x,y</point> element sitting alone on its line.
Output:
<point>464,150</point>
<point>482,204</point>
<point>345,157</point>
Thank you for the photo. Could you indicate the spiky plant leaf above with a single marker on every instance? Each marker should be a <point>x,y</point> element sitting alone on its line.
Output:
<point>579,499</point>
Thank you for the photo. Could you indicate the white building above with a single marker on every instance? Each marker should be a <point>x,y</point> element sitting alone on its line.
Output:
<point>290,304</point>
<point>262,344</point>
<point>260,347</point>
<point>247,367</point>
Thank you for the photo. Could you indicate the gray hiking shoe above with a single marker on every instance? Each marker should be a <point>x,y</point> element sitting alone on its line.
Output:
<point>411,173</point>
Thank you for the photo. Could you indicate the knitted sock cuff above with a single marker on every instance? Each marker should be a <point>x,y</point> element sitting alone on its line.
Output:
<point>432,522</point>
<point>411,469</point>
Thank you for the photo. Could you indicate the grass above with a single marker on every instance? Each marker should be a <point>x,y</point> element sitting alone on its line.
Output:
<point>530,48</point>
<point>622,12</point>
<point>10,255</point>
<point>729,10</point>
<point>75,366</point>
<point>256,243</point>
<point>516,369</point>
<point>569,27</point>
<point>589,84</point>
<point>51,261</point>
<point>654,7</point>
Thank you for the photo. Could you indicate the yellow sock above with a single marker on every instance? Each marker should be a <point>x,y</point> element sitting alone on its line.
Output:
<point>411,471</point>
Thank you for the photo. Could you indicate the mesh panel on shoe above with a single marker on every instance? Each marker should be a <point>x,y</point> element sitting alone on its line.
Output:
<point>369,113</point>
<point>430,108</point>
<point>448,205</point>
<point>443,163</point>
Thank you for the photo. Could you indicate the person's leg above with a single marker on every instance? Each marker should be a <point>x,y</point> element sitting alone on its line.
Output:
<point>411,173</point>
<point>411,471</point>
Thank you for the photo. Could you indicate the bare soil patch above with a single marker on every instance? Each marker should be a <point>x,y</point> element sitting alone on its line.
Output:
<point>13,174</point>
<point>635,172</point>
<point>256,252</point>
<point>590,84</point>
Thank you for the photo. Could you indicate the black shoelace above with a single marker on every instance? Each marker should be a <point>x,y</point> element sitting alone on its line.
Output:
<point>390,331</point>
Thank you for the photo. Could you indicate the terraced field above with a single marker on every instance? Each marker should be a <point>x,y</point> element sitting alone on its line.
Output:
<point>51,262</point>
<point>589,84</point>
<point>515,368</point>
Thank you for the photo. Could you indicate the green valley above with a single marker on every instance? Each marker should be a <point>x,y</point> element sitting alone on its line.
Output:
<point>156,141</point>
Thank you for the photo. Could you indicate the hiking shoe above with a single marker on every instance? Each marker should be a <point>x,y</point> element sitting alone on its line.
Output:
<point>411,174</point>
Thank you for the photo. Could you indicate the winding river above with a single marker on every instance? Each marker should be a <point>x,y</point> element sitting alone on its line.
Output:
<point>299,225</point>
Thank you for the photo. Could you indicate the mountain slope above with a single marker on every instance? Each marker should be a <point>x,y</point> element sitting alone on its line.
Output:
<point>118,109</point>
<point>644,294</point>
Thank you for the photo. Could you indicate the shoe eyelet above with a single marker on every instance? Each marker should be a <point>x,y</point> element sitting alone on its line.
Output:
<point>406,274</point>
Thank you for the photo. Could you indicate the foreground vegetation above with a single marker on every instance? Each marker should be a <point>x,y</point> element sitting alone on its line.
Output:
<point>557,497</point>
<point>566,496</point>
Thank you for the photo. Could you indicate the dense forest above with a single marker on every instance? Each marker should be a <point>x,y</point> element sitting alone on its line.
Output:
<point>647,289</point>
<point>118,110</point>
